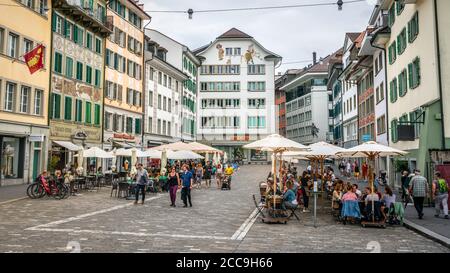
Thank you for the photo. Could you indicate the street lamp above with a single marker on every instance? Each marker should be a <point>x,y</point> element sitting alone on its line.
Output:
<point>340,3</point>
<point>190,12</point>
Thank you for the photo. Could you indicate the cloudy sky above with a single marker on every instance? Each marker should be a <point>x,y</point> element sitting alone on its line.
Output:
<point>292,33</point>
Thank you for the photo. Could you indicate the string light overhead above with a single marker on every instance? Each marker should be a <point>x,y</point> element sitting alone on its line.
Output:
<point>190,11</point>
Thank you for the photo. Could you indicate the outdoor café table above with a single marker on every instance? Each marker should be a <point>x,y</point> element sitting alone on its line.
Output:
<point>91,181</point>
<point>80,181</point>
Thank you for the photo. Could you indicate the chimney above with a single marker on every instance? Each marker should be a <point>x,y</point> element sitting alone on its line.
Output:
<point>314,58</point>
<point>279,73</point>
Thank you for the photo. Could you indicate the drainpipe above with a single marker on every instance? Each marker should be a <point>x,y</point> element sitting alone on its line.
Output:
<point>144,78</point>
<point>439,68</point>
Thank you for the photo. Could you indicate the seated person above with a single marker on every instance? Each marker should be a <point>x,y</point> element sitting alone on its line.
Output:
<point>337,196</point>
<point>289,199</point>
<point>366,192</point>
<point>357,191</point>
<point>371,196</point>
<point>386,201</point>
<point>270,187</point>
<point>350,195</point>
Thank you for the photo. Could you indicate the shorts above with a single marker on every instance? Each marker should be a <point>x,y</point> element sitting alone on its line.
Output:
<point>356,174</point>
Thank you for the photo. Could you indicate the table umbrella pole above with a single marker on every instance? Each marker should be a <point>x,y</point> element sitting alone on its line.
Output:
<point>371,178</point>
<point>275,178</point>
<point>321,170</point>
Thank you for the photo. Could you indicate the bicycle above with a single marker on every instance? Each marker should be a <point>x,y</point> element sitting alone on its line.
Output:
<point>55,188</point>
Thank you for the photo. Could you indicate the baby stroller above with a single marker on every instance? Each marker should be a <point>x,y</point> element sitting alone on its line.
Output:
<point>395,214</point>
<point>226,183</point>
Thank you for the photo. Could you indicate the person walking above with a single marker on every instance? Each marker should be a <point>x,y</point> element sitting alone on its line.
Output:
<point>304,186</point>
<point>419,189</point>
<point>348,168</point>
<point>440,195</point>
<point>219,173</point>
<point>365,170</point>
<point>174,183</point>
<point>207,172</point>
<point>141,180</point>
<point>199,176</point>
<point>405,185</point>
<point>186,186</point>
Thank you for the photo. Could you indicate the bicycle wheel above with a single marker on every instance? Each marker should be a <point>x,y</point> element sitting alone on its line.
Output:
<point>35,191</point>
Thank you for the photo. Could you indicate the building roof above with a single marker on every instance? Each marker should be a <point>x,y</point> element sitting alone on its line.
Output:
<point>353,35</point>
<point>234,33</point>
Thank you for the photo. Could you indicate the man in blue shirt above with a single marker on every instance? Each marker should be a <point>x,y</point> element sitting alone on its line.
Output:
<point>186,183</point>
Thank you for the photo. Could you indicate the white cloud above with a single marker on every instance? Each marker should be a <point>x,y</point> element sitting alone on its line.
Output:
<point>292,33</point>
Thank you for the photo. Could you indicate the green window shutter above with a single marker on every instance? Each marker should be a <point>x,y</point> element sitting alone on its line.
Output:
<point>79,71</point>
<point>68,108</point>
<point>400,84</point>
<point>390,54</point>
<point>88,112</point>
<point>75,34</point>
<point>79,110</point>
<point>137,126</point>
<point>69,67</point>
<point>57,114</point>
<point>418,71</point>
<point>97,77</point>
<point>97,114</point>
<point>52,105</point>
<point>54,21</point>
<point>88,74</point>
<point>410,75</point>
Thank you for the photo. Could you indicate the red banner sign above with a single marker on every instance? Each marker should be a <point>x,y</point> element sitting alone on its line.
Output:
<point>35,59</point>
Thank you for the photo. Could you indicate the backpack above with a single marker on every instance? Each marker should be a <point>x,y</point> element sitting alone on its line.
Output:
<point>443,188</point>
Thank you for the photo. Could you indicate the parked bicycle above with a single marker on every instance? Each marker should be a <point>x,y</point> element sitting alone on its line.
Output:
<point>48,186</point>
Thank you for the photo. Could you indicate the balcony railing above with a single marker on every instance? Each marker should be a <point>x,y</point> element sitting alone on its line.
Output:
<point>92,16</point>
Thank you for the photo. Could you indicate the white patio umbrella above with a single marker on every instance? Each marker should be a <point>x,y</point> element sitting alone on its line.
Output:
<point>151,153</point>
<point>277,144</point>
<point>371,150</point>
<point>183,154</point>
<point>319,151</point>
<point>80,158</point>
<point>176,146</point>
<point>202,148</point>
<point>96,153</point>
<point>164,158</point>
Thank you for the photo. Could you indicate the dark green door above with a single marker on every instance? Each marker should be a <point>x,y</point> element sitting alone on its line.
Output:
<point>36,161</point>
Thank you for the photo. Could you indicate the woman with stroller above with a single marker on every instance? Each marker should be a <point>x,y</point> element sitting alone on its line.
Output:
<point>219,172</point>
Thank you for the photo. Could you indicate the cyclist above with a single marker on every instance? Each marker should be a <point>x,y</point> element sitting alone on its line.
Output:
<point>229,172</point>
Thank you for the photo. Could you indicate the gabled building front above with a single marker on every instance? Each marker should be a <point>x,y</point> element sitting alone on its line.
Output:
<point>165,81</point>
<point>309,104</point>
<point>79,30</point>
<point>349,90</point>
<point>280,99</point>
<point>417,45</point>
<point>236,94</point>
<point>124,79</point>
<point>335,86</point>
<point>24,130</point>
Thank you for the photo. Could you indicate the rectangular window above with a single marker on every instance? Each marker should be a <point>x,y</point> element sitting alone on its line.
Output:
<point>38,102</point>
<point>137,126</point>
<point>55,106</point>
<point>2,39</point>
<point>159,102</point>
<point>24,99</point>
<point>392,52</point>
<point>150,124</point>
<point>97,112</point>
<point>27,46</point>
<point>391,16</point>
<point>228,51</point>
<point>256,86</point>
<point>256,69</point>
<point>69,67</point>
<point>237,51</point>
<point>169,105</point>
<point>381,125</point>
<point>413,28</point>
<point>68,108</point>
<point>97,77</point>
<point>88,117</point>
<point>393,91</point>
<point>79,71</point>
<point>98,45</point>
<point>414,73</point>
<point>10,95</point>
<point>79,111</point>
<point>58,62</point>
<point>402,83</point>
<point>159,127</point>
<point>401,41</point>
<point>88,74</point>
<point>89,40</point>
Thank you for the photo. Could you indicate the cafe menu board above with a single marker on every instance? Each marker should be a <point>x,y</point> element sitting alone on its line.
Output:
<point>258,155</point>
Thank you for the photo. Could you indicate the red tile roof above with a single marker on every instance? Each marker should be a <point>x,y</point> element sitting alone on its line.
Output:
<point>234,33</point>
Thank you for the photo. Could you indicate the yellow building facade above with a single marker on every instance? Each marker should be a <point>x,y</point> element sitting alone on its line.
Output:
<point>124,75</point>
<point>24,130</point>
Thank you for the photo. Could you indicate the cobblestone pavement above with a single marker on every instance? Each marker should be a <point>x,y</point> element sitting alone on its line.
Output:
<point>219,221</point>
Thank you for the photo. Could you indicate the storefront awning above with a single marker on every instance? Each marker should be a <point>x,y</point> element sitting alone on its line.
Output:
<point>68,145</point>
<point>123,144</point>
